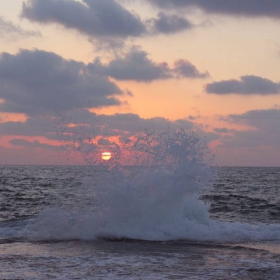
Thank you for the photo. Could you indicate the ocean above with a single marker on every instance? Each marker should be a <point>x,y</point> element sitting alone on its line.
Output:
<point>158,209</point>
<point>50,229</point>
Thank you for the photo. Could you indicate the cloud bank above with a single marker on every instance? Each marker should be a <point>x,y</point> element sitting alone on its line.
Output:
<point>39,82</point>
<point>247,85</point>
<point>248,8</point>
<point>264,131</point>
<point>85,125</point>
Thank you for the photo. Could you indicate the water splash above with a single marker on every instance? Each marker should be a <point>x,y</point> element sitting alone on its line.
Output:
<point>145,185</point>
<point>149,190</point>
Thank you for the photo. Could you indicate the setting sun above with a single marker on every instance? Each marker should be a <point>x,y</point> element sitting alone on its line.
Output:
<point>106,155</point>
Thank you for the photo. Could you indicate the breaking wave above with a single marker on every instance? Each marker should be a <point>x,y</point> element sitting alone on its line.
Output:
<point>149,190</point>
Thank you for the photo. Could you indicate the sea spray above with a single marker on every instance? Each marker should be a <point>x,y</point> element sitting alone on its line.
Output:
<point>143,187</point>
<point>149,190</point>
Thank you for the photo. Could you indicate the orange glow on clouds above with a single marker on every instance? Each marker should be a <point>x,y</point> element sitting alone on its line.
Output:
<point>9,117</point>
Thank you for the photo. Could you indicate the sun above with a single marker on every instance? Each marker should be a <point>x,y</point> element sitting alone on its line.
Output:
<point>106,155</point>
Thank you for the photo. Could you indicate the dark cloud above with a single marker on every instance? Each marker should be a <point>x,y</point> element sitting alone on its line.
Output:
<point>251,139</point>
<point>132,123</point>
<point>184,69</point>
<point>84,124</point>
<point>246,85</point>
<point>127,125</point>
<point>256,145</point>
<point>35,126</point>
<point>265,120</point>
<point>92,17</point>
<point>252,8</point>
<point>269,114</point>
<point>106,22</point>
<point>38,82</point>
<point>11,31</point>
<point>50,127</point>
<point>136,66</point>
<point>35,144</point>
<point>167,24</point>
<point>78,132</point>
<point>264,131</point>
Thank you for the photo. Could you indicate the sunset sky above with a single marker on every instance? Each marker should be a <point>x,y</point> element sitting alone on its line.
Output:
<point>125,66</point>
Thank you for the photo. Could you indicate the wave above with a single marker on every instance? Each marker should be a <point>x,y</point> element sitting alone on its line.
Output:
<point>158,200</point>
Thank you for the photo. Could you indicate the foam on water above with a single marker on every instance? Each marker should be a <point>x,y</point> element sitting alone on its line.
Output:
<point>157,199</point>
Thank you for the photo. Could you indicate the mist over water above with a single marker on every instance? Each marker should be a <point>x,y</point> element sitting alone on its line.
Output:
<point>149,190</point>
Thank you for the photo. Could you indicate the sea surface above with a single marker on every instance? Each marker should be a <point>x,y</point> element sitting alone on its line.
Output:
<point>73,222</point>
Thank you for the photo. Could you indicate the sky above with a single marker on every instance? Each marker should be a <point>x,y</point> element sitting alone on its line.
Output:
<point>115,68</point>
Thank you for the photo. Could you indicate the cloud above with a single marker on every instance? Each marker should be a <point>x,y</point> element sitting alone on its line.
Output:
<point>252,139</point>
<point>265,120</point>
<point>264,131</point>
<point>269,114</point>
<point>184,69</point>
<point>83,124</point>
<point>132,123</point>
<point>257,145</point>
<point>38,82</point>
<point>137,66</point>
<point>35,126</point>
<point>246,85</point>
<point>134,66</point>
<point>125,126</point>
<point>106,22</point>
<point>11,31</point>
<point>167,24</point>
<point>35,144</point>
<point>91,17</point>
<point>79,130</point>
<point>249,8</point>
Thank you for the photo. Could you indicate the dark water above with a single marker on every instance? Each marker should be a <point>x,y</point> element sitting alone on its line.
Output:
<point>239,199</point>
<point>247,194</point>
